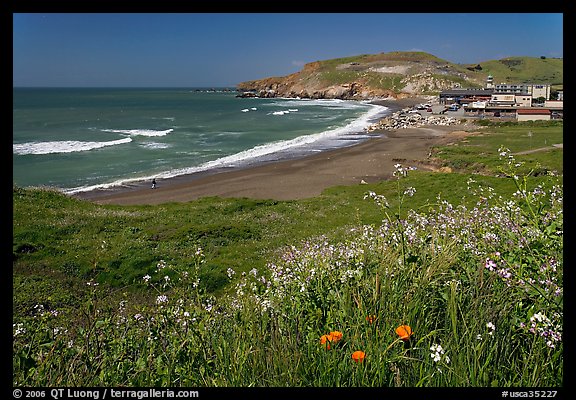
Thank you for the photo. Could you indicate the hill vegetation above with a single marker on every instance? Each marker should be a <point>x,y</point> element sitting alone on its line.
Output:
<point>525,70</point>
<point>400,74</point>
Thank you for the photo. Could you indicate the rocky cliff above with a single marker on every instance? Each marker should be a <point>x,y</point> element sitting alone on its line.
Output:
<point>396,74</point>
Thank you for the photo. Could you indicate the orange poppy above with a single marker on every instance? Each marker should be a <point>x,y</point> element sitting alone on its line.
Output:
<point>358,356</point>
<point>333,337</point>
<point>325,341</point>
<point>404,331</point>
<point>371,318</point>
<point>336,336</point>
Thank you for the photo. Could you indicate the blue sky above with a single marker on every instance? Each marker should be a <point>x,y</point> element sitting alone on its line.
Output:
<point>223,49</point>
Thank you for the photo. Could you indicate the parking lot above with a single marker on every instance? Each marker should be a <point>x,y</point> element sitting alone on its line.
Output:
<point>491,114</point>
<point>437,108</point>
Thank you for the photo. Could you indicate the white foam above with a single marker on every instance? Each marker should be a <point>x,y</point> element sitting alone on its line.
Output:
<point>164,118</point>
<point>155,145</point>
<point>332,103</point>
<point>66,146</point>
<point>355,128</point>
<point>140,132</point>
<point>227,133</point>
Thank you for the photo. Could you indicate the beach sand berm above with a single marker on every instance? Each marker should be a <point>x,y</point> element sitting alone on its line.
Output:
<point>370,161</point>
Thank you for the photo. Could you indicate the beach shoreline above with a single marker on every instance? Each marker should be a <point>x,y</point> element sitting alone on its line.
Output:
<point>369,161</point>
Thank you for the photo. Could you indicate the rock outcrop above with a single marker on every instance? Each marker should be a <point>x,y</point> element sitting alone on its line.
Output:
<point>385,75</point>
<point>404,119</point>
<point>398,74</point>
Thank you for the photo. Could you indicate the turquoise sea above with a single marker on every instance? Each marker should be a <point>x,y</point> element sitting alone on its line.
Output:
<point>90,138</point>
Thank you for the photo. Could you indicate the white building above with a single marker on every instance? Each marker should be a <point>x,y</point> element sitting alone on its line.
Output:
<point>539,90</point>
<point>503,100</point>
<point>554,103</point>
<point>523,100</point>
<point>532,114</point>
<point>490,82</point>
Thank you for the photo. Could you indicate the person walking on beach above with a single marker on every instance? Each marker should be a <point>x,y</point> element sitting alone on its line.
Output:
<point>153,183</point>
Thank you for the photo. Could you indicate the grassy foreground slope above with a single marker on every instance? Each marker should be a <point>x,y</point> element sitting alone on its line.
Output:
<point>239,292</point>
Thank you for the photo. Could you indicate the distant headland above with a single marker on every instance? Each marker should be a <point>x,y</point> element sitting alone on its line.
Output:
<point>399,74</point>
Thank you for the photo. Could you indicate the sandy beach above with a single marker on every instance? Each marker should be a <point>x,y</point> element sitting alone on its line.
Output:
<point>370,161</point>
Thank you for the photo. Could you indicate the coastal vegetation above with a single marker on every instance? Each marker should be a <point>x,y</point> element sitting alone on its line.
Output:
<point>401,73</point>
<point>525,70</point>
<point>428,279</point>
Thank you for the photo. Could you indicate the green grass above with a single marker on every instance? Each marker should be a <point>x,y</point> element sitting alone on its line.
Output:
<point>332,76</point>
<point>480,153</point>
<point>385,82</point>
<point>525,70</point>
<point>532,70</point>
<point>334,62</point>
<point>511,70</point>
<point>393,56</point>
<point>336,77</point>
<point>243,307</point>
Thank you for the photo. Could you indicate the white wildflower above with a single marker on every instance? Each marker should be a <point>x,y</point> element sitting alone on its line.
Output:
<point>161,299</point>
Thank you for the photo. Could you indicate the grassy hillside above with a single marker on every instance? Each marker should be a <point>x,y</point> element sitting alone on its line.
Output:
<point>412,73</point>
<point>390,71</point>
<point>385,59</point>
<point>509,70</point>
<point>525,70</point>
<point>57,238</point>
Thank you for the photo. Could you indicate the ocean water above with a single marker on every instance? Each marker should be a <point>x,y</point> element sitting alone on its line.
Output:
<point>84,139</point>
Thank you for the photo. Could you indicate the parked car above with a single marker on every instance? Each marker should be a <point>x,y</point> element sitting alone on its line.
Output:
<point>429,109</point>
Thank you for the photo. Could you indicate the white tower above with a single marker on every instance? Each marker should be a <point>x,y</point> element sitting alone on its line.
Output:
<point>490,82</point>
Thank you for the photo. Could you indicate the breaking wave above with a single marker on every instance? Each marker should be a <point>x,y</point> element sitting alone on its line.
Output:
<point>66,146</point>
<point>140,132</point>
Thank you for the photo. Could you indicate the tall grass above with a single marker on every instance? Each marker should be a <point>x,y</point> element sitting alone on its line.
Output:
<point>447,296</point>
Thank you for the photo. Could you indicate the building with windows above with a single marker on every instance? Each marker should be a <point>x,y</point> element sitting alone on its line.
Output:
<point>464,96</point>
<point>539,90</point>
<point>499,99</point>
<point>503,88</point>
<point>535,90</point>
<point>490,82</point>
<point>523,100</point>
<point>506,101</point>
